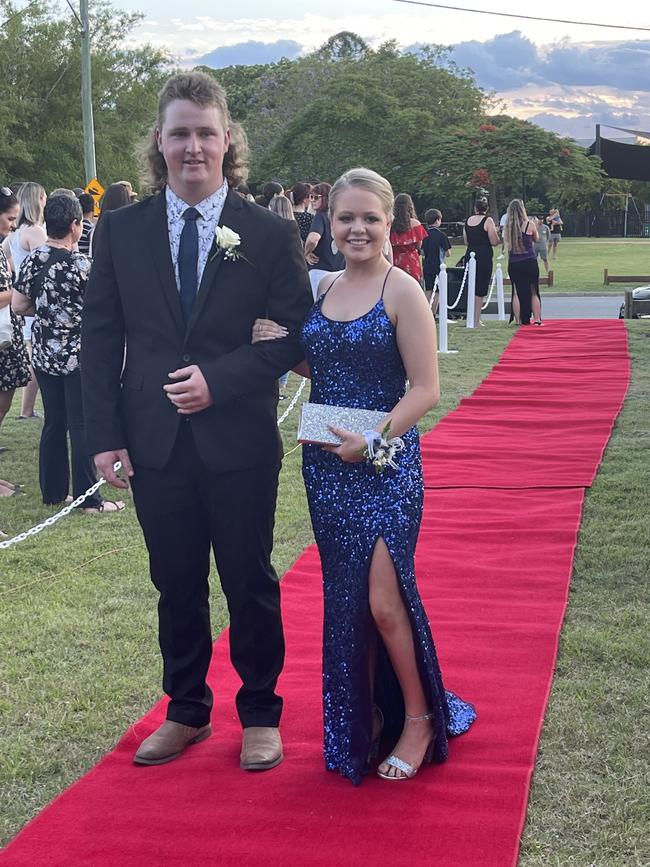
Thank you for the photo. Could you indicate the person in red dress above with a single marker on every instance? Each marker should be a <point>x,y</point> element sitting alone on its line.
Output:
<point>406,236</point>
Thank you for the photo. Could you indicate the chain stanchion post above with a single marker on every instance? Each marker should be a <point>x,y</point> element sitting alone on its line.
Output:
<point>501,303</point>
<point>443,301</point>
<point>442,308</point>
<point>471,289</point>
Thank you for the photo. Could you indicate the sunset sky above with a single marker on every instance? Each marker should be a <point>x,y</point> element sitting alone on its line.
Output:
<point>563,77</point>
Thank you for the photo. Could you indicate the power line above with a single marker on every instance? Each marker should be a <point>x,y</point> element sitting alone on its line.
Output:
<point>525,17</point>
<point>19,13</point>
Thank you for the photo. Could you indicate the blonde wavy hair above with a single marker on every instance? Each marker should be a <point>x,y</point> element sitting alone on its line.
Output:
<point>364,179</point>
<point>512,234</point>
<point>31,206</point>
<point>204,91</point>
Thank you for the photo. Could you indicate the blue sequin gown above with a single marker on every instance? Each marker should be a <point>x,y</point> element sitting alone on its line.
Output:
<point>358,364</point>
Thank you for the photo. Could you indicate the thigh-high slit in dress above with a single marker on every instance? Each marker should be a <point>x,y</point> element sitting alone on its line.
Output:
<point>357,364</point>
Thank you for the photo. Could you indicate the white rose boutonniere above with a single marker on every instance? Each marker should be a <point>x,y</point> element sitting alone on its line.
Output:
<point>227,242</point>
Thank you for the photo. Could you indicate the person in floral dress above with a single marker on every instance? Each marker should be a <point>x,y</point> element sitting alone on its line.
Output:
<point>14,361</point>
<point>51,286</point>
<point>406,236</point>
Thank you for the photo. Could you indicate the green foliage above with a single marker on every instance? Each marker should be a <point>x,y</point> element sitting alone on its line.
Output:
<point>508,153</point>
<point>347,104</point>
<point>41,133</point>
<point>417,119</point>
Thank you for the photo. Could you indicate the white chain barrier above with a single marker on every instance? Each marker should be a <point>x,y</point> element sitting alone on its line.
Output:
<point>489,296</point>
<point>48,522</point>
<point>460,291</point>
<point>436,285</point>
<point>294,401</point>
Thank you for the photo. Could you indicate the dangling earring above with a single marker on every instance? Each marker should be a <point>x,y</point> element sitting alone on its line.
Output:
<point>386,247</point>
<point>335,249</point>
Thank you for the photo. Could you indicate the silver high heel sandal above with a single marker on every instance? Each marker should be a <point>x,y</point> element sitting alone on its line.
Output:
<point>408,771</point>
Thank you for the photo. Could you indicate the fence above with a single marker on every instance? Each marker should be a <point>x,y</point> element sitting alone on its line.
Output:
<point>605,224</point>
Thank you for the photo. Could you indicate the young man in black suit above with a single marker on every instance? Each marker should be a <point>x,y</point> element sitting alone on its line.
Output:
<point>190,408</point>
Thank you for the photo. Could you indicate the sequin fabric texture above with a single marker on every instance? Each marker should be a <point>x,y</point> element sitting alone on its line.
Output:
<point>357,364</point>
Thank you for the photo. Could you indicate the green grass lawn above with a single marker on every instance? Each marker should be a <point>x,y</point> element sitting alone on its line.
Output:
<point>579,266</point>
<point>580,263</point>
<point>79,657</point>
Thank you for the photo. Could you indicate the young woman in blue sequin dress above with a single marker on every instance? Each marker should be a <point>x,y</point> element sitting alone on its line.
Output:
<point>369,332</point>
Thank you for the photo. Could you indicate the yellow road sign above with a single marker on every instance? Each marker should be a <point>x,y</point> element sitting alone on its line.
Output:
<point>95,189</point>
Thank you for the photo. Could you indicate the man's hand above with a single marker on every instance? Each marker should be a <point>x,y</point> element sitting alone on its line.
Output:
<point>104,462</point>
<point>192,393</point>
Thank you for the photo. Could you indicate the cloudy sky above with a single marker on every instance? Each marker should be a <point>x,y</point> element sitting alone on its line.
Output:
<point>564,77</point>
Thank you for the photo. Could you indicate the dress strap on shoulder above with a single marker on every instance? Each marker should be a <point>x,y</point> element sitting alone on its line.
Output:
<point>323,294</point>
<point>383,288</point>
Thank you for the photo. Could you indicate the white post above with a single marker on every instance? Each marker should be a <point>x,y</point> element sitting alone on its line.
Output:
<point>442,307</point>
<point>501,304</point>
<point>471,289</point>
<point>443,301</point>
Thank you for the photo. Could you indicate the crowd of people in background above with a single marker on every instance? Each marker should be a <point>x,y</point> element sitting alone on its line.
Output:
<point>46,245</point>
<point>46,253</point>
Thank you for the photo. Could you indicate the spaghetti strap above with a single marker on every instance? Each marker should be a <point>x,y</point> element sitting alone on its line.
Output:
<point>320,297</point>
<point>383,288</point>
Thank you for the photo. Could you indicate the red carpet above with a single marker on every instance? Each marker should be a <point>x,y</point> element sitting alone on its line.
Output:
<point>542,417</point>
<point>494,568</point>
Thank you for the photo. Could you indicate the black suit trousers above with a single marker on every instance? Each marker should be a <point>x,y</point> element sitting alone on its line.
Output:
<point>185,509</point>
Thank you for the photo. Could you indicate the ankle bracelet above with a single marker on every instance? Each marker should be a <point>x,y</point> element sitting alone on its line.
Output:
<point>418,718</point>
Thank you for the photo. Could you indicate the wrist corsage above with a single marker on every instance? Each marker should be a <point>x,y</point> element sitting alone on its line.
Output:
<point>381,449</point>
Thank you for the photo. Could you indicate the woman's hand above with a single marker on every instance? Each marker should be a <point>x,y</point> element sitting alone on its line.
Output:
<point>267,329</point>
<point>351,448</point>
<point>311,258</point>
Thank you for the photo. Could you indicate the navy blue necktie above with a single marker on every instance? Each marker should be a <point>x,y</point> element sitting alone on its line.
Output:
<point>188,256</point>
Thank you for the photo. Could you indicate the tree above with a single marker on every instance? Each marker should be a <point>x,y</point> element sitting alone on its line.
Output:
<point>41,134</point>
<point>347,104</point>
<point>510,158</point>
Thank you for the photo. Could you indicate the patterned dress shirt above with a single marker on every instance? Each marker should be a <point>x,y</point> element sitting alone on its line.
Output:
<point>210,213</point>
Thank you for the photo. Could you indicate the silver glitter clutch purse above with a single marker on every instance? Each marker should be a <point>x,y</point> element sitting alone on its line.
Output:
<point>315,418</point>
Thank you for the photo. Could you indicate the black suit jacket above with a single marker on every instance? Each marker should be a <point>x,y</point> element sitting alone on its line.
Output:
<point>133,336</point>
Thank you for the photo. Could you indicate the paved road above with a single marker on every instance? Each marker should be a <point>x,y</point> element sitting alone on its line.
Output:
<point>579,307</point>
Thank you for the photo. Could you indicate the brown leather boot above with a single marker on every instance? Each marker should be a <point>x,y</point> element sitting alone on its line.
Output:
<point>168,742</point>
<point>261,748</point>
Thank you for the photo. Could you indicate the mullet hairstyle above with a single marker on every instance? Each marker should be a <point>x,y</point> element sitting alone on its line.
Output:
<point>404,213</point>
<point>204,91</point>
<point>512,235</point>
<point>364,179</point>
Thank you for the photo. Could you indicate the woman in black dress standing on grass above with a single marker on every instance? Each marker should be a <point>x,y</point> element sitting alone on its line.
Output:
<point>480,235</point>
<point>520,235</point>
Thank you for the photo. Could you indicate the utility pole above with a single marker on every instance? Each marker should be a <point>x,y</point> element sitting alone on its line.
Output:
<point>86,96</point>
